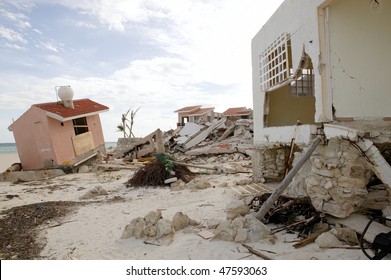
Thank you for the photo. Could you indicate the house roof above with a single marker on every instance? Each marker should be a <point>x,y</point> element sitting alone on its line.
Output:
<point>201,111</point>
<point>237,111</point>
<point>82,108</point>
<point>188,109</point>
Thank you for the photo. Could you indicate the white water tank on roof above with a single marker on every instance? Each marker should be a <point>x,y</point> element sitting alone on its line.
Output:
<point>65,93</point>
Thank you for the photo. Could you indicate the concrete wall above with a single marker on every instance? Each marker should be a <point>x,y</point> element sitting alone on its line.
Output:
<point>349,48</point>
<point>360,45</point>
<point>300,19</point>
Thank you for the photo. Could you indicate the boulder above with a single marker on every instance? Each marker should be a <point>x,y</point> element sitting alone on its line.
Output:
<point>236,208</point>
<point>97,191</point>
<point>180,221</point>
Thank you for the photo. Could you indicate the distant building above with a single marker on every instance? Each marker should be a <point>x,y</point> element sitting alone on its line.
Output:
<point>196,114</point>
<point>59,133</point>
<point>238,113</point>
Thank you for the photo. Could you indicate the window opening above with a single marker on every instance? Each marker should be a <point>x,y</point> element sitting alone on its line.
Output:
<point>80,125</point>
<point>303,83</point>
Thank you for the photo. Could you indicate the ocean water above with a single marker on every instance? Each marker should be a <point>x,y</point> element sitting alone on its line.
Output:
<point>7,148</point>
<point>10,148</point>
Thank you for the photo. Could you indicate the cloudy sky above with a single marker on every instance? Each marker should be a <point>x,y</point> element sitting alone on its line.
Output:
<point>155,55</point>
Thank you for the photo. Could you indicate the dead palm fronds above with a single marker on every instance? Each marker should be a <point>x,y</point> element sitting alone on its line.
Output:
<point>157,172</point>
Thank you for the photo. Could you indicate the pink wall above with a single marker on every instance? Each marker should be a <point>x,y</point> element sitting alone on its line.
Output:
<point>32,139</point>
<point>62,137</point>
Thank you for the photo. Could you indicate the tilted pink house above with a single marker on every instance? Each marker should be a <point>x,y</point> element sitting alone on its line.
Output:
<point>59,133</point>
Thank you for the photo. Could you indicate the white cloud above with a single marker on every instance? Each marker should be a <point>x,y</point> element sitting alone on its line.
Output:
<point>86,25</point>
<point>38,31</point>
<point>114,16</point>
<point>11,35</point>
<point>207,44</point>
<point>15,47</point>
<point>50,46</point>
<point>55,59</point>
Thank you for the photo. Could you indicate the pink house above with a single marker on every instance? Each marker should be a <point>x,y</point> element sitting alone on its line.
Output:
<point>59,133</point>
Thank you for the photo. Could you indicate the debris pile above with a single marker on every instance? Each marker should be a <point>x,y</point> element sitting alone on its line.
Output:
<point>160,172</point>
<point>217,137</point>
<point>291,214</point>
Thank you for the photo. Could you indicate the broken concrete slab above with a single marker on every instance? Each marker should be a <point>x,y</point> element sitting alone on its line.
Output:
<point>31,175</point>
<point>153,143</point>
<point>202,134</point>
<point>358,223</point>
<point>380,166</point>
<point>214,149</point>
<point>332,130</point>
<point>230,130</point>
<point>190,129</point>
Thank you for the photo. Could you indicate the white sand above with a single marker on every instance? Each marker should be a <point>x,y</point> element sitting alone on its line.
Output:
<point>93,232</point>
<point>7,159</point>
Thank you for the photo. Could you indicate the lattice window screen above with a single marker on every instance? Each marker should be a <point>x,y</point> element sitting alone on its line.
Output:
<point>303,85</point>
<point>274,63</point>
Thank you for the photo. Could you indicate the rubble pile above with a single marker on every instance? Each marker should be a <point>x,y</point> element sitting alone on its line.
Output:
<point>215,138</point>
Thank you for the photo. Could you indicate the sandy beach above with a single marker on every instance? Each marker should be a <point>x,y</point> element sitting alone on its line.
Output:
<point>7,159</point>
<point>93,228</point>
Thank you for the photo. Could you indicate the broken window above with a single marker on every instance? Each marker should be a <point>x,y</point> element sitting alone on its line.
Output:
<point>80,125</point>
<point>276,63</point>
<point>303,82</point>
<point>292,99</point>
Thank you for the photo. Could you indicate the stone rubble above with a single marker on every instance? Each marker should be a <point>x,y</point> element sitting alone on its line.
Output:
<point>155,229</point>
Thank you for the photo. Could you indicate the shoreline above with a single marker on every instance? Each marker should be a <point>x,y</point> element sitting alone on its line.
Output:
<point>7,159</point>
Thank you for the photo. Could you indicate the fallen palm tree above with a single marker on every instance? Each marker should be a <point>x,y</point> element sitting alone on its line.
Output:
<point>160,172</point>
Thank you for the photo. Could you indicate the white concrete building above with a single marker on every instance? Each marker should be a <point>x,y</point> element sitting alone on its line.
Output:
<point>321,61</point>
<point>326,65</point>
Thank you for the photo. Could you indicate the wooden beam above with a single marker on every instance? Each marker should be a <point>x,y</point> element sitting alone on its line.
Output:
<point>260,215</point>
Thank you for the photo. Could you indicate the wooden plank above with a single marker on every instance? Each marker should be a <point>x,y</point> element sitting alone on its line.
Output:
<point>358,223</point>
<point>83,143</point>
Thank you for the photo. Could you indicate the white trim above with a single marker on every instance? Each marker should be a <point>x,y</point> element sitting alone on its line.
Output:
<point>62,119</point>
<point>328,63</point>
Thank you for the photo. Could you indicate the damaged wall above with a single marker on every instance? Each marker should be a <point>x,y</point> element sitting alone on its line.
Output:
<point>299,18</point>
<point>348,46</point>
<point>285,109</point>
<point>335,178</point>
<point>338,179</point>
<point>360,58</point>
